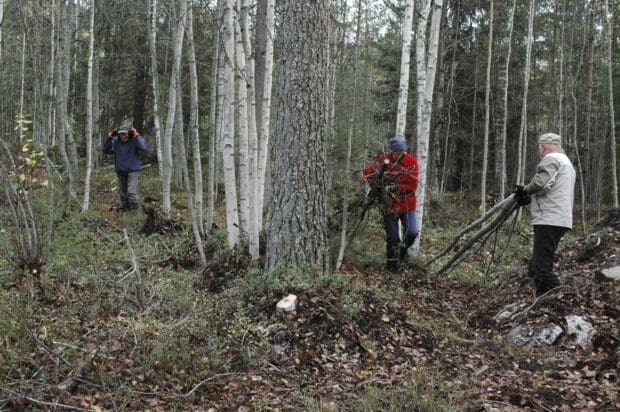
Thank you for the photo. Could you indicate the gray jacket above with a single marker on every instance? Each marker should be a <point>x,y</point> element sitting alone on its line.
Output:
<point>553,189</point>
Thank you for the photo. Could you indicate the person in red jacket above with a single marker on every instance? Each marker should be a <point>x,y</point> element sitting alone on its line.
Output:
<point>394,178</point>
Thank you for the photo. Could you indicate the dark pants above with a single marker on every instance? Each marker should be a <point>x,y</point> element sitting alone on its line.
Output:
<point>397,249</point>
<point>128,190</point>
<point>546,240</point>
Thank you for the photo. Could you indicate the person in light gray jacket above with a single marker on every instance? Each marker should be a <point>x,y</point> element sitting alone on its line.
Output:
<point>551,191</point>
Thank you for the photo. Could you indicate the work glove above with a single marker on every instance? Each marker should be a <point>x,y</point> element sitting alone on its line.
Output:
<point>521,196</point>
<point>134,132</point>
<point>391,188</point>
<point>367,189</point>
<point>112,133</point>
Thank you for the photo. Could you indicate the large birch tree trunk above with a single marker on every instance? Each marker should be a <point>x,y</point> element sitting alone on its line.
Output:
<point>426,63</point>
<point>242,124</point>
<point>296,233</point>
<point>172,106</point>
<point>254,212</point>
<point>405,63</point>
<point>228,125</point>
<point>89,107</point>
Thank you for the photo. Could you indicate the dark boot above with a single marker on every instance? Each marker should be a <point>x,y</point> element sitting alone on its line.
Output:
<point>392,258</point>
<point>405,245</point>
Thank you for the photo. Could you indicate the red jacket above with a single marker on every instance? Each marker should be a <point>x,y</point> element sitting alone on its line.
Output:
<point>401,169</point>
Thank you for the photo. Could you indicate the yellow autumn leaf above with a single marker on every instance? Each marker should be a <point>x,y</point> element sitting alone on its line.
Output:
<point>30,162</point>
<point>25,148</point>
<point>45,183</point>
<point>22,177</point>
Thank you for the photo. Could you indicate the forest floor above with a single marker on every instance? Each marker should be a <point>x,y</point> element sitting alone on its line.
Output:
<point>93,332</point>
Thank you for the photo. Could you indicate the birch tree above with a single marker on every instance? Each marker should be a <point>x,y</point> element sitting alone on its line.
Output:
<point>296,233</point>
<point>242,124</point>
<point>193,120</point>
<point>522,148</point>
<point>264,117</point>
<point>89,106</point>
<point>228,125</point>
<point>612,120</point>
<point>254,213</point>
<point>487,116</point>
<point>172,106</point>
<point>502,114</point>
<point>426,66</point>
<point>405,59</point>
<point>152,29</point>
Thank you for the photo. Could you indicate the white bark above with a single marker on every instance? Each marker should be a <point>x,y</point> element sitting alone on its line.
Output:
<point>612,121</point>
<point>265,115</point>
<point>228,126</point>
<point>487,117</point>
<point>526,81</point>
<point>254,215</point>
<point>426,63</point>
<point>501,139</point>
<point>213,129</point>
<point>242,125</point>
<point>21,88</point>
<point>155,83</point>
<point>172,105</point>
<point>89,107</point>
<point>405,59</point>
<point>193,119</point>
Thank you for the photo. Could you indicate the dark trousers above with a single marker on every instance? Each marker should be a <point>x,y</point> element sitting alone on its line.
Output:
<point>128,190</point>
<point>395,248</point>
<point>546,240</point>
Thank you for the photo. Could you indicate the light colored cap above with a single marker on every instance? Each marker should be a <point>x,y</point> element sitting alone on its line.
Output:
<point>550,138</point>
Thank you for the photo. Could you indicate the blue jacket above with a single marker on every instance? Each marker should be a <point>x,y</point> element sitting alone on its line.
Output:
<point>126,157</point>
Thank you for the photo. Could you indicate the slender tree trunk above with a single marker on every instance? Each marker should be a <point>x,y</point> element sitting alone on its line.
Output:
<point>228,126</point>
<point>426,62</point>
<point>61,106</point>
<point>70,144</point>
<point>1,25</point>
<point>51,114</point>
<point>213,128</point>
<point>155,85</point>
<point>487,116</point>
<point>522,149</point>
<point>348,183</point>
<point>254,212</point>
<point>500,140</point>
<point>20,130</point>
<point>296,234</point>
<point>587,154</point>
<point>612,120</point>
<point>242,125</point>
<point>89,107</point>
<point>193,119</point>
<point>172,106</point>
<point>405,58</point>
<point>265,108</point>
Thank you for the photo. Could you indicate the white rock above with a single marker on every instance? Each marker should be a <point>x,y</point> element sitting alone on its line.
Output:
<point>529,337</point>
<point>509,311</point>
<point>288,304</point>
<point>579,327</point>
<point>612,273</point>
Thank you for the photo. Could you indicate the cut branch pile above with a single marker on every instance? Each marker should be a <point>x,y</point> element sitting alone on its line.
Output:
<point>497,215</point>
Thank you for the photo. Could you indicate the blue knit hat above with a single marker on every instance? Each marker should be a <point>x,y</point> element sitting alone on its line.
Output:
<point>398,144</point>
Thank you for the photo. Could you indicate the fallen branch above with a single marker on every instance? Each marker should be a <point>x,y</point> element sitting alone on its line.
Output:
<point>135,270</point>
<point>501,211</point>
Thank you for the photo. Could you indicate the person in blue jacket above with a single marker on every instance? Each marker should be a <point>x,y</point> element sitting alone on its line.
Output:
<point>126,146</point>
